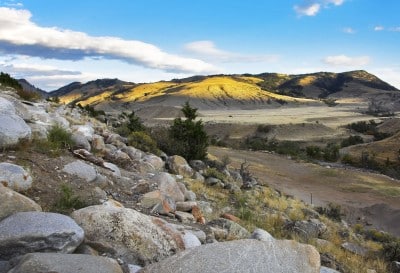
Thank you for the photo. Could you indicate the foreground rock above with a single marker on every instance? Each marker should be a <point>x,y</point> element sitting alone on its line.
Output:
<point>27,232</point>
<point>242,256</point>
<point>12,127</point>
<point>65,263</point>
<point>125,233</point>
<point>82,170</point>
<point>14,177</point>
<point>13,202</point>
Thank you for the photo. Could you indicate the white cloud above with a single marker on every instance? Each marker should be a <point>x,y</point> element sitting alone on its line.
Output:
<point>349,30</point>
<point>379,28</point>
<point>312,7</point>
<point>343,60</point>
<point>209,51</point>
<point>19,35</point>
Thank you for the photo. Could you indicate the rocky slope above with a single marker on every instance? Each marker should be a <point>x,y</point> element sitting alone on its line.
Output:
<point>125,210</point>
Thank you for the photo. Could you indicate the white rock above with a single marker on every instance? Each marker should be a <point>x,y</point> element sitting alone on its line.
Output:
<point>14,177</point>
<point>12,130</point>
<point>82,170</point>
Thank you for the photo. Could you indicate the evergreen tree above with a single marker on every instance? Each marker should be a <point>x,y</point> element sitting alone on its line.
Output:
<point>189,137</point>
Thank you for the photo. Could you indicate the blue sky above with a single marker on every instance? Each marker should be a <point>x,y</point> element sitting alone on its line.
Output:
<point>52,43</point>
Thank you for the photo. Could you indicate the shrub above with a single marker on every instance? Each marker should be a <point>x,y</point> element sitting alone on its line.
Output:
<point>333,211</point>
<point>391,251</point>
<point>351,140</point>
<point>213,172</point>
<point>59,137</point>
<point>144,142</point>
<point>263,128</point>
<point>331,152</point>
<point>314,152</point>
<point>28,95</point>
<point>68,200</point>
<point>188,136</point>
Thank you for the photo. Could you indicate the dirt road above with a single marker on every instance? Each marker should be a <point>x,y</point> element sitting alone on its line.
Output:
<point>372,196</point>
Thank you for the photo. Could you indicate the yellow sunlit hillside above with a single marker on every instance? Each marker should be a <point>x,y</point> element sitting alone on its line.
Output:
<point>146,91</point>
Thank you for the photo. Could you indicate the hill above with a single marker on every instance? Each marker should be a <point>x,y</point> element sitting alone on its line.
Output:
<point>266,90</point>
<point>28,87</point>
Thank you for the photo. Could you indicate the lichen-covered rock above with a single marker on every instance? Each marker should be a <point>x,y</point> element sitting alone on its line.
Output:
<point>234,231</point>
<point>13,202</point>
<point>242,256</point>
<point>154,161</point>
<point>65,263</point>
<point>27,232</point>
<point>125,233</point>
<point>14,177</point>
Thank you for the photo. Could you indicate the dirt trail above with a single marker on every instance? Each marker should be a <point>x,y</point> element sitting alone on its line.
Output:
<point>367,195</point>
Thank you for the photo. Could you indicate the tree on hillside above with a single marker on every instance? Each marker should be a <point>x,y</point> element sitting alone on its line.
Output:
<point>189,137</point>
<point>7,80</point>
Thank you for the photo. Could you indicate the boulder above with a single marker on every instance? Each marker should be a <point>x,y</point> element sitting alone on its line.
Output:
<point>126,233</point>
<point>155,161</point>
<point>159,202</point>
<point>27,232</point>
<point>234,231</point>
<point>198,165</point>
<point>80,142</point>
<point>212,181</point>
<point>13,202</point>
<point>133,153</point>
<point>184,217</point>
<point>242,256</point>
<point>185,206</point>
<point>179,165</point>
<point>14,177</point>
<point>86,130</point>
<point>190,196</point>
<point>82,170</point>
<point>327,270</point>
<point>13,129</point>
<point>65,263</point>
<point>355,248</point>
<point>190,240</point>
<point>114,168</point>
<point>6,107</point>
<point>261,235</point>
<point>313,228</point>
<point>168,186</point>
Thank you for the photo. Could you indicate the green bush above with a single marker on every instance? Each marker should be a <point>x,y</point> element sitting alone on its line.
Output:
<point>144,142</point>
<point>59,138</point>
<point>314,152</point>
<point>351,140</point>
<point>333,211</point>
<point>331,152</point>
<point>7,80</point>
<point>188,136</point>
<point>213,172</point>
<point>391,250</point>
<point>68,200</point>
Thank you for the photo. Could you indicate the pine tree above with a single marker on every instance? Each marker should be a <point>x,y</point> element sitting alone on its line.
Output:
<point>189,137</point>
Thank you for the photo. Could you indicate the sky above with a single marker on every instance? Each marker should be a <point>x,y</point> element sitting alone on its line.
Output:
<point>54,43</point>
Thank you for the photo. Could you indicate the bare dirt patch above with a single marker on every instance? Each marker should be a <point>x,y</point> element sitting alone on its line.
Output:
<point>355,190</point>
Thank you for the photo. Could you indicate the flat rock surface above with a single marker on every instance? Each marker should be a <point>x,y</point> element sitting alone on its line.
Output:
<point>26,232</point>
<point>65,263</point>
<point>242,256</point>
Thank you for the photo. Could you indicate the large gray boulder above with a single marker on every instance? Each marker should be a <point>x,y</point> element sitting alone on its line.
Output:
<point>13,129</point>
<point>6,107</point>
<point>27,232</point>
<point>65,263</point>
<point>126,233</point>
<point>82,170</point>
<point>242,256</point>
<point>232,230</point>
<point>15,177</point>
<point>13,202</point>
<point>313,228</point>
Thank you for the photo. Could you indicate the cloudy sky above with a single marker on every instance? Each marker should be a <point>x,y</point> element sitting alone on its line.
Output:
<point>53,43</point>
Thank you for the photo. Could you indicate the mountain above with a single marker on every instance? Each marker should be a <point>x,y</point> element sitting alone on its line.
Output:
<point>244,91</point>
<point>27,86</point>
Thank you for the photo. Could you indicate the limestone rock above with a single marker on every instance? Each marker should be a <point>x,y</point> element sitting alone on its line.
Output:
<point>179,165</point>
<point>65,263</point>
<point>26,232</point>
<point>14,177</point>
<point>12,130</point>
<point>242,256</point>
<point>13,202</point>
<point>82,170</point>
<point>125,233</point>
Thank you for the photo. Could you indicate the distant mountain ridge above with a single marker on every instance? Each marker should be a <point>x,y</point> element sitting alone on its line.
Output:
<point>27,86</point>
<point>229,91</point>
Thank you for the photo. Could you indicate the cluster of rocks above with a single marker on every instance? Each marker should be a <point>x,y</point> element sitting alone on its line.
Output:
<point>159,227</point>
